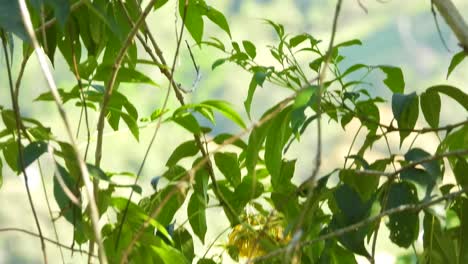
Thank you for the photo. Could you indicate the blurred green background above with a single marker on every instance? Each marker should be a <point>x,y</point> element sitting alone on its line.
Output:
<point>399,33</point>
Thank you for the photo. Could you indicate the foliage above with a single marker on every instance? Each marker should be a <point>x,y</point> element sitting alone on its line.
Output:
<point>327,219</point>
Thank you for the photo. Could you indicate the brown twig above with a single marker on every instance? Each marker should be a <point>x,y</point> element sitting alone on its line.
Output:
<point>24,231</point>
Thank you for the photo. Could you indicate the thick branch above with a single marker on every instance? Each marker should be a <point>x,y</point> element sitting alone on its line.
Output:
<point>454,19</point>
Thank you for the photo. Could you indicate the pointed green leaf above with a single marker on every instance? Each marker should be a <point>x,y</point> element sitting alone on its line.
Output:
<point>405,109</point>
<point>218,18</point>
<point>183,241</point>
<point>228,165</point>
<point>430,106</point>
<point>250,48</point>
<point>124,75</point>
<point>193,19</point>
<point>196,215</point>
<point>456,59</point>
<point>186,149</point>
<point>225,109</point>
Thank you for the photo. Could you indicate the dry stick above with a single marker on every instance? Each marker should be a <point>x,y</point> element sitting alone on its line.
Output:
<point>52,21</point>
<point>15,229</point>
<point>111,83</point>
<point>23,128</point>
<point>353,227</point>
<point>189,175</point>
<point>318,157</point>
<point>455,21</point>
<point>14,102</point>
<point>53,88</point>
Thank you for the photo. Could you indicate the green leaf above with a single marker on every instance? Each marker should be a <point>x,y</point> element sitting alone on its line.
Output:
<point>301,102</point>
<point>430,106</point>
<point>228,165</point>
<point>69,210</point>
<point>225,109</point>
<point>183,241</point>
<point>405,109</point>
<point>124,75</point>
<point>188,121</point>
<point>221,138</point>
<point>186,149</point>
<point>10,19</point>
<point>159,3</point>
<point>456,59</point>
<point>206,261</point>
<point>394,80</point>
<point>169,254</point>
<point>351,210</point>
<point>404,226</point>
<point>193,19</point>
<point>278,134</point>
<point>363,185</point>
<point>218,18</point>
<point>453,92</point>
<point>250,48</point>
<point>438,244</point>
<point>61,10</point>
<point>32,152</point>
<point>1,173</point>
<point>248,190</point>
<point>298,39</point>
<point>460,171</point>
<point>196,215</point>
<point>175,172</point>
<point>282,183</point>
<point>217,63</point>
<point>461,208</point>
<point>11,155</point>
<point>433,167</point>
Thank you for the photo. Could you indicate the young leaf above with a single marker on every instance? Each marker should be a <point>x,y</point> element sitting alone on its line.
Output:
<point>225,109</point>
<point>188,121</point>
<point>456,59</point>
<point>196,215</point>
<point>249,48</point>
<point>430,106</point>
<point>405,109</point>
<point>229,167</point>
<point>193,19</point>
<point>218,18</point>
<point>186,149</point>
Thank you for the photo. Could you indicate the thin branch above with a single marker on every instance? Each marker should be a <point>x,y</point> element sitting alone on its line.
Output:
<point>462,152</point>
<point>24,231</point>
<point>16,111</point>
<point>94,215</point>
<point>113,77</point>
<point>370,220</point>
